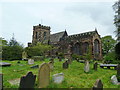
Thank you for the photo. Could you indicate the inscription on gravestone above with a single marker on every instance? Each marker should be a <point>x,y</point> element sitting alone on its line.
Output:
<point>43,75</point>
<point>27,81</point>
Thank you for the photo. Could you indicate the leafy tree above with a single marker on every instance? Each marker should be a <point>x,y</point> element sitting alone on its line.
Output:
<point>116,8</point>
<point>108,44</point>
<point>37,50</point>
<point>117,50</point>
<point>12,51</point>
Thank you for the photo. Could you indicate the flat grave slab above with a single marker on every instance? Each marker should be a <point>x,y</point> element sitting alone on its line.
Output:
<point>5,64</point>
<point>14,81</point>
<point>108,65</point>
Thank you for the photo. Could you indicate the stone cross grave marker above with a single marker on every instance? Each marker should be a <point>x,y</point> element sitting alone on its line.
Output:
<point>30,61</point>
<point>87,66</point>
<point>43,75</point>
<point>98,85</point>
<point>51,65</point>
<point>27,81</point>
<point>58,78</point>
<point>95,66</point>
<point>118,70</point>
<point>65,65</point>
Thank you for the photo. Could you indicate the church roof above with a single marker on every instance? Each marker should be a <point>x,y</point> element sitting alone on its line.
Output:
<point>57,36</point>
<point>90,33</point>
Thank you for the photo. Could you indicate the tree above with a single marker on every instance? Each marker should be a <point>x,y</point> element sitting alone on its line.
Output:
<point>108,44</point>
<point>116,8</point>
<point>37,50</point>
<point>12,51</point>
<point>117,50</point>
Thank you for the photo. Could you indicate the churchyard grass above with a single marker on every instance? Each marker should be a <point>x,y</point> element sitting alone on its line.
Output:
<point>74,76</point>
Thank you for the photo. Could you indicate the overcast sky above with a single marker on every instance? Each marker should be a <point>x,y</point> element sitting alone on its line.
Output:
<point>76,17</point>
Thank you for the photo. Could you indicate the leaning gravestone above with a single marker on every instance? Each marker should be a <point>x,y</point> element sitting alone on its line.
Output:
<point>51,65</point>
<point>87,66</point>
<point>43,75</point>
<point>95,66</point>
<point>65,65</point>
<point>58,78</point>
<point>27,81</point>
<point>98,85</point>
<point>30,61</point>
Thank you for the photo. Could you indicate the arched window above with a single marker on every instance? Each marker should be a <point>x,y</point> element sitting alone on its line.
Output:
<point>76,49</point>
<point>86,47</point>
<point>96,46</point>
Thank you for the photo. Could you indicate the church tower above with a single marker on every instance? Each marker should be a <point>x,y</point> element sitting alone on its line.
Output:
<point>41,34</point>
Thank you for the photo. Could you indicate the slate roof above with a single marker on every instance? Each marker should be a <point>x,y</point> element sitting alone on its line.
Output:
<point>56,37</point>
<point>90,33</point>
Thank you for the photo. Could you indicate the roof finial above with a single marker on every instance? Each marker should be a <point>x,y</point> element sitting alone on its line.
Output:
<point>95,29</point>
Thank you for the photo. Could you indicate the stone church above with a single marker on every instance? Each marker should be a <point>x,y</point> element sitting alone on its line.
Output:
<point>79,44</point>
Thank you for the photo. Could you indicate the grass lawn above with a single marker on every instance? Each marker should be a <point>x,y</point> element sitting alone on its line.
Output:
<point>75,77</point>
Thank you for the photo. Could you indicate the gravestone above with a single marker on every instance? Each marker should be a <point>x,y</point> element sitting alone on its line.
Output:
<point>30,61</point>
<point>98,85</point>
<point>87,66</point>
<point>51,65</point>
<point>95,66</point>
<point>1,81</point>
<point>52,60</point>
<point>35,66</point>
<point>58,78</point>
<point>60,58</point>
<point>65,65</point>
<point>4,64</point>
<point>14,81</point>
<point>118,70</point>
<point>114,80</point>
<point>24,55</point>
<point>43,75</point>
<point>27,81</point>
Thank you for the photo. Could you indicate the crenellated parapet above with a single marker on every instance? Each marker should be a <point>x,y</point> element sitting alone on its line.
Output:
<point>41,27</point>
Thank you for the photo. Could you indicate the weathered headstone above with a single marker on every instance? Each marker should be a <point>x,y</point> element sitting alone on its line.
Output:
<point>4,64</point>
<point>60,58</point>
<point>30,61</point>
<point>58,78</point>
<point>24,55</point>
<point>43,75</point>
<point>65,65</point>
<point>87,66</point>
<point>1,81</point>
<point>118,70</point>
<point>52,60</point>
<point>98,85</point>
<point>95,66</point>
<point>27,81</point>
<point>35,66</point>
<point>114,80</point>
<point>51,65</point>
<point>14,81</point>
